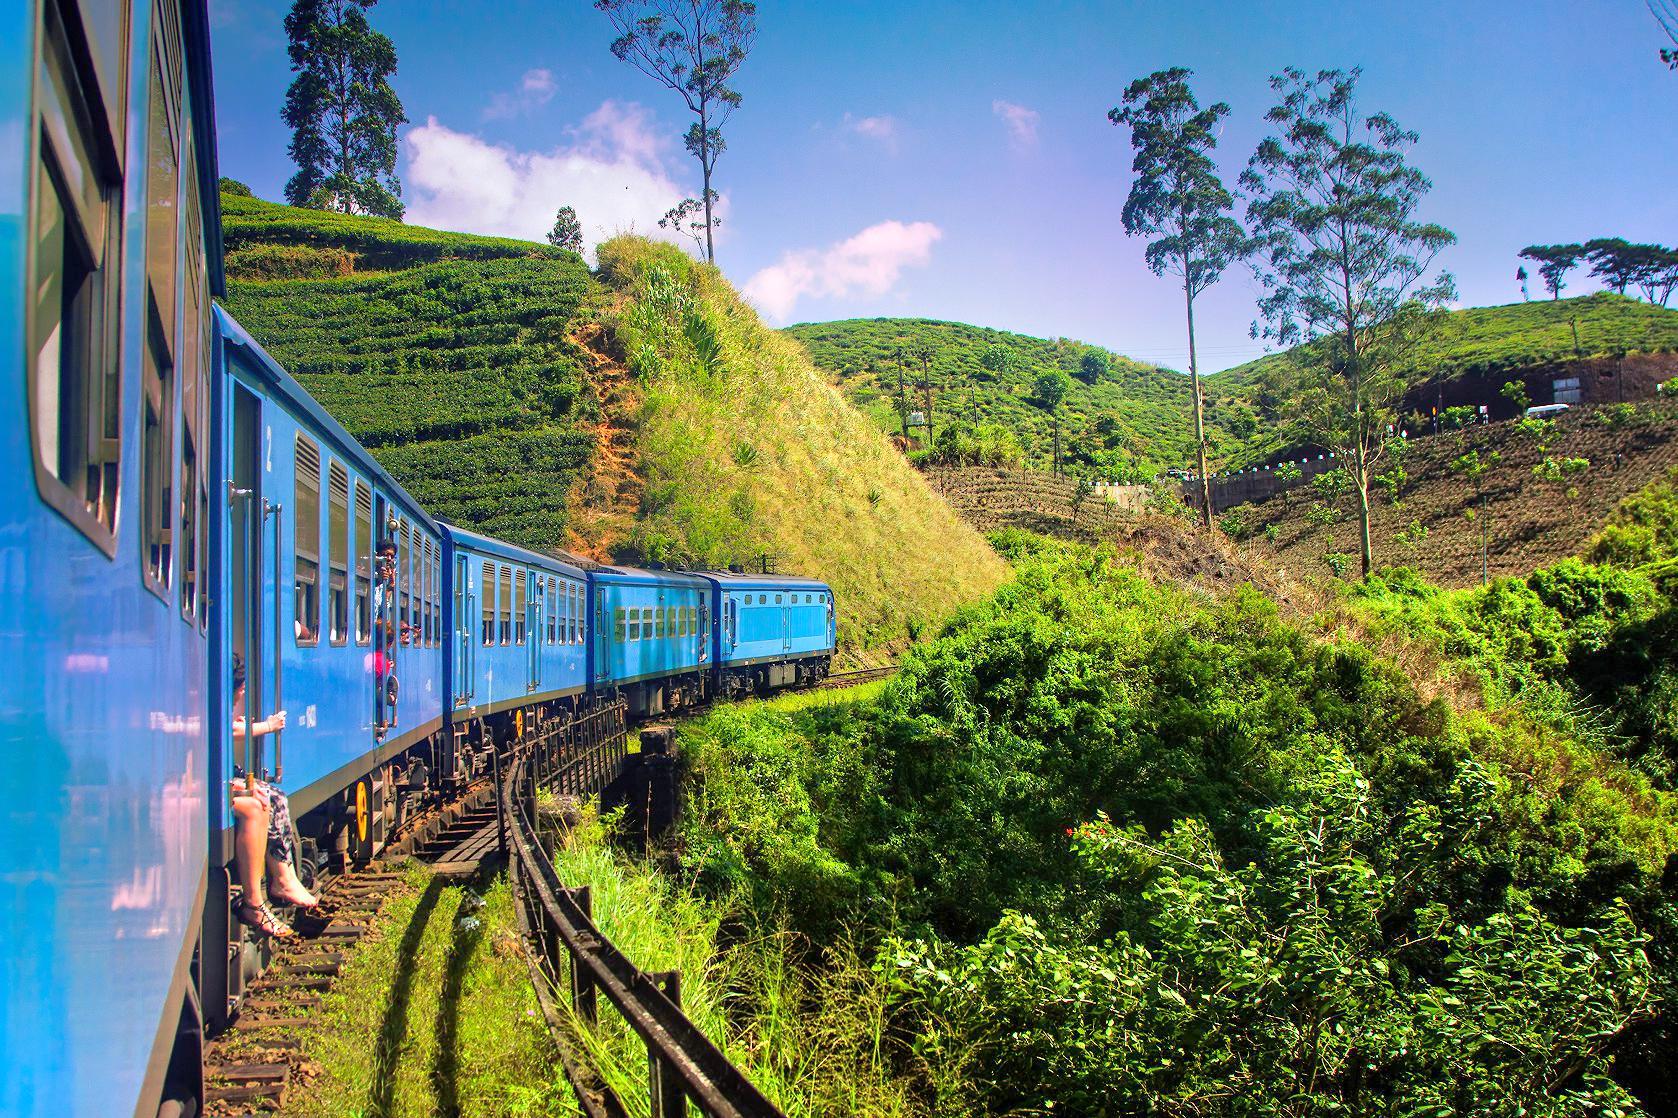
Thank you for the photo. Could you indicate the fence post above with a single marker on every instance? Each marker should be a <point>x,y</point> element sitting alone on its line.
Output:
<point>583,995</point>
<point>665,1089</point>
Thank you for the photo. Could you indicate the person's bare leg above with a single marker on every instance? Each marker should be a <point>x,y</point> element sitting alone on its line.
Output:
<point>286,885</point>
<point>250,840</point>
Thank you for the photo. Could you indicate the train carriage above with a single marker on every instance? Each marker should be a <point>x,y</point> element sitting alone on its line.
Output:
<point>176,501</point>
<point>772,631</point>
<point>651,637</point>
<point>109,242</point>
<point>518,627</point>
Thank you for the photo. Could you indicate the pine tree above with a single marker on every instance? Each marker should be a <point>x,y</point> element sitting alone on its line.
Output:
<point>342,110</point>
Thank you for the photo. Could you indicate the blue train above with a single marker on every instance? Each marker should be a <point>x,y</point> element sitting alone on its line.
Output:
<point>174,504</point>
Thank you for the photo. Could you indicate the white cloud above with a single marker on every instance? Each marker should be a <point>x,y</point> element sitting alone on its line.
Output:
<point>613,173</point>
<point>1021,122</point>
<point>868,263</point>
<point>536,89</point>
<point>881,128</point>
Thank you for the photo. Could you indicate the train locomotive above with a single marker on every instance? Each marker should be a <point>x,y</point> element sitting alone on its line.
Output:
<point>176,504</point>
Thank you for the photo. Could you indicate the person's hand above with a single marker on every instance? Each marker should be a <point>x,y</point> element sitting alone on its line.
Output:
<point>276,721</point>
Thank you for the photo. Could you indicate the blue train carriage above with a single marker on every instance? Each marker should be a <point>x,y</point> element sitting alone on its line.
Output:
<point>110,247</point>
<point>773,631</point>
<point>518,654</point>
<point>329,588</point>
<point>652,638</point>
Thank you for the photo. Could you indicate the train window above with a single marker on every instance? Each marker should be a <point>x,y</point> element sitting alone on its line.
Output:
<point>658,623</point>
<point>305,534</point>
<point>338,554</point>
<point>763,599</point>
<point>422,590</point>
<point>75,376</point>
<point>157,409</point>
<point>635,623</point>
<point>619,626</point>
<point>520,580</point>
<point>777,599</point>
<point>553,610</point>
<point>577,614</point>
<point>487,586</point>
<point>506,602</point>
<point>363,564</point>
<point>436,594</point>
<point>405,582</point>
<point>693,621</point>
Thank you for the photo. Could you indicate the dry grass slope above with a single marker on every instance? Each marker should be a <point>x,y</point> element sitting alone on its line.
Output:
<point>744,449</point>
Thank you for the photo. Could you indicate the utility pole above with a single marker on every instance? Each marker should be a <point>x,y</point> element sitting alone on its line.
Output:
<point>925,355</point>
<point>902,399</point>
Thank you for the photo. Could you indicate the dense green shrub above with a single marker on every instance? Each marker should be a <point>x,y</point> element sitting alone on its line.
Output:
<point>1147,852</point>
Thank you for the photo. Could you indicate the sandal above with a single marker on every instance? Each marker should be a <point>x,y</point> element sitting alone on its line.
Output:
<point>257,917</point>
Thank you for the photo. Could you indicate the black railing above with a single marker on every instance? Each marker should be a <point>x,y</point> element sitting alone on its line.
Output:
<point>568,952</point>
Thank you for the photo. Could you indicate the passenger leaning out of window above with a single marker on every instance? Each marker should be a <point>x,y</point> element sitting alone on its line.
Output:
<point>262,830</point>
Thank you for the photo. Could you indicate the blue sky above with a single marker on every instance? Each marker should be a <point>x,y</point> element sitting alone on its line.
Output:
<point>955,161</point>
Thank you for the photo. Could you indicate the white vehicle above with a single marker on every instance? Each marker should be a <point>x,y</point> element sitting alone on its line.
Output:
<point>1547,411</point>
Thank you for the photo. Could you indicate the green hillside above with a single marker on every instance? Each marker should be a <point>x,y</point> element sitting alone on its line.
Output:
<point>646,417</point>
<point>1132,419</point>
<point>1472,342</point>
<point>445,354</point>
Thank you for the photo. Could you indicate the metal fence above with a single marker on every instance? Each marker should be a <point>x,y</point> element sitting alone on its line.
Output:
<point>569,953</point>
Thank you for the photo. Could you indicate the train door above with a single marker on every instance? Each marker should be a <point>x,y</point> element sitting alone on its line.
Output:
<point>253,527</point>
<point>786,624</point>
<point>602,637</point>
<point>465,639</point>
<point>387,574</point>
<point>535,601</point>
<point>730,626</point>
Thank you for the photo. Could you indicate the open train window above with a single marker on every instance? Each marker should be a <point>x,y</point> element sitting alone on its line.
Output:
<point>363,564</point>
<point>506,596</point>
<point>487,585</point>
<point>338,554</point>
<point>75,392</point>
<point>553,610</point>
<point>577,614</point>
<point>305,511</point>
<point>520,578</point>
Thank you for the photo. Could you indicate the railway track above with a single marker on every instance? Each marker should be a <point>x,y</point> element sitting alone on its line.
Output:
<point>861,675</point>
<point>251,1068</point>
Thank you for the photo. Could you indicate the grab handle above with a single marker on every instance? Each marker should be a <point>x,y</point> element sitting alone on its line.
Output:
<point>272,508</point>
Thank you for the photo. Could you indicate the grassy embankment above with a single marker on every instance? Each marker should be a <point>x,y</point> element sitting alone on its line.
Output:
<point>744,449</point>
<point>433,1015</point>
<point>1105,839</point>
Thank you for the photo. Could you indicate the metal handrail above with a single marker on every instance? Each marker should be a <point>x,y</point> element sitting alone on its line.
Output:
<point>682,1059</point>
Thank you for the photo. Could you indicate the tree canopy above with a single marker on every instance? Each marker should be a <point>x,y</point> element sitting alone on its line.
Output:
<point>693,48</point>
<point>1177,198</point>
<point>342,110</point>
<point>567,232</point>
<point>1344,260</point>
<point>1554,262</point>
